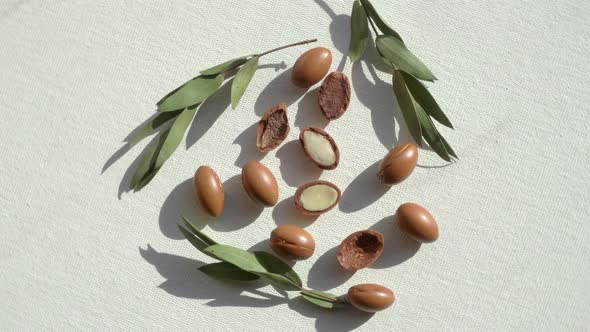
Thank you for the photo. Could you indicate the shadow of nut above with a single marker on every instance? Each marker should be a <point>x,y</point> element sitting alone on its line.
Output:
<point>273,128</point>
<point>317,197</point>
<point>320,148</point>
<point>334,95</point>
<point>292,242</point>
<point>360,249</point>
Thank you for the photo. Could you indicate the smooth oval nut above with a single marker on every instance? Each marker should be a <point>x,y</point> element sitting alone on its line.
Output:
<point>292,242</point>
<point>317,197</point>
<point>370,297</point>
<point>360,249</point>
<point>273,128</point>
<point>260,184</point>
<point>311,67</point>
<point>319,147</point>
<point>208,191</point>
<point>398,164</point>
<point>334,95</point>
<point>417,222</point>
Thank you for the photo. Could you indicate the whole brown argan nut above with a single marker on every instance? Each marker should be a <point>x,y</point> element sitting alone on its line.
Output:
<point>334,95</point>
<point>360,249</point>
<point>398,164</point>
<point>208,190</point>
<point>370,297</point>
<point>292,242</point>
<point>311,67</point>
<point>319,147</point>
<point>273,128</point>
<point>260,184</point>
<point>417,222</point>
<point>317,197</point>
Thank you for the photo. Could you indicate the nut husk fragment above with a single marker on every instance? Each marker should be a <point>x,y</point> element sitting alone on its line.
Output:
<point>334,95</point>
<point>273,128</point>
<point>310,202</point>
<point>360,249</point>
<point>325,153</point>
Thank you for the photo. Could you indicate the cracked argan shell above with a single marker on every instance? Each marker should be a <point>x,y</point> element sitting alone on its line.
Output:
<point>360,249</point>
<point>398,164</point>
<point>370,297</point>
<point>292,242</point>
<point>319,147</point>
<point>334,95</point>
<point>317,197</point>
<point>273,128</point>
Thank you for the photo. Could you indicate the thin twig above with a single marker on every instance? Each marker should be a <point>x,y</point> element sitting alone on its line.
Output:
<point>287,46</point>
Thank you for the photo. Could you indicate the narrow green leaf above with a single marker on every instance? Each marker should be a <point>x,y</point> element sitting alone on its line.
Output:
<point>423,97</point>
<point>151,126</point>
<point>384,27</point>
<point>146,179</point>
<point>319,294</point>
<point>278,281</point>
<point>189,224</point>
<point>359,31</point>
<point>226,66</point>
<point>396,52</point>
<point>227,271</point>
<point>431,134</point>
<point>449,148</point>
<point>148,160</point>
<point>238,257</point>
<point>181,123</point>
<point>320,301</point>
<point>276,265</point>
<point>406,105</point>
<point>191,93</point>
<point>242,79</point>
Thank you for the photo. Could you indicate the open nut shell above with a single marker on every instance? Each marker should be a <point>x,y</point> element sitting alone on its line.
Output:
<point>360,249</point>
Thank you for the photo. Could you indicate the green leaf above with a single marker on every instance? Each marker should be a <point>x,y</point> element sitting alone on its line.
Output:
<point>322,299</point>
<point>319,294</point>
<point>384,27</point>
<point>406,105</point>
<point>242,79</point>
<point>276,265</point>
<point>189,224</point>
<point>227,271</point>
<point>359,31</point>
<point>278,281</point>
<point>423,97</point>
<point>431,134</point>
<point>175,135</point>
<point>148,160</point>
<point>319,302</point>
<point>226,66</point>
<point>238,257</point>
<point>151,126</point>
<point>191,93</point>
<point>195,241</point>
<point>146,179</point>
<point>449,148</point>
<point>396,52</point>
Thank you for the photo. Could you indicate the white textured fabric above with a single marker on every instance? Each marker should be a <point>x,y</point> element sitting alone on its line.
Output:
<point>78,76</point>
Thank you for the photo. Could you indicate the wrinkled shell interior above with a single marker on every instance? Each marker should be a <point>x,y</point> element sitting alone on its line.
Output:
<point>335,95</point>
<point>319,148</point>
<point>318,197</point>
<point>273,129</point>
<point>360,250</point>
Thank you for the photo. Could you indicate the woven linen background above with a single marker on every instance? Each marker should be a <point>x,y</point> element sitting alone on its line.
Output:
<point>76,77</point>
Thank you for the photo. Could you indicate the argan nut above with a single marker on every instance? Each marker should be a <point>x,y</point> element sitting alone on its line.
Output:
<point>334,95</point>
<point>208,190</point>
<point>273,128</point>
<point>260,184</point>
<point>360,249</point>
<point>317,197</point>
<point>311,67</point>
<point>292,242</point>
<point>398,164</point>
<point>319,147</point>
<point>370,297</point>
<point>417,222</point>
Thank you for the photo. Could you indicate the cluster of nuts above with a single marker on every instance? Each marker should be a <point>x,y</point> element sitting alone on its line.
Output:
<point>359,249</point>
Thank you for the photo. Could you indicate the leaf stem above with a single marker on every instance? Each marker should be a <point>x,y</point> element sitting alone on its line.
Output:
<point>287,46</point>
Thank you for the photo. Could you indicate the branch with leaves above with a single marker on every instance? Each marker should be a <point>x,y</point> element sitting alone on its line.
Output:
<point>418,106</point>
<point>178,108</point>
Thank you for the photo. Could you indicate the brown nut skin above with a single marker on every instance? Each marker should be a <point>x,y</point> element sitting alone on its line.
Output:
<point>260,184</point>
<point>370,297</point>
<point>292,242</point>
<point>208,190</point>
<point>299,205</point>
<point>417,222</point>
<point>360,249</point>
<point>398,164</point>
<point>311,67</point>
<point>332,143</point>
<point>334,95</point>
<point>273,128</point>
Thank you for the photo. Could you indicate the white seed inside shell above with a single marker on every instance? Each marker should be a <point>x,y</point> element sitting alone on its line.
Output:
<point>318,197</point>
<point>319,148</point>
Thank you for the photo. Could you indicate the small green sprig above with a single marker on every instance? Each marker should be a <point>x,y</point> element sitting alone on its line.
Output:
<point>240,265</point>
<point>178,108</point>
<point>417,105</point>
